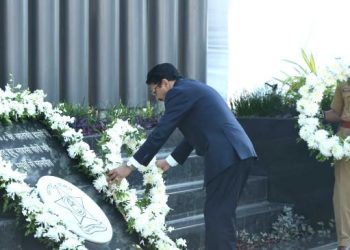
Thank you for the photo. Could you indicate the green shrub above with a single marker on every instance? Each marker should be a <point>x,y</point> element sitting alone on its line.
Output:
<point>265,102</point>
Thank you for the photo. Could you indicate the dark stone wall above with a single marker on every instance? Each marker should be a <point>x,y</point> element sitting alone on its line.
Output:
<point>294,175</point>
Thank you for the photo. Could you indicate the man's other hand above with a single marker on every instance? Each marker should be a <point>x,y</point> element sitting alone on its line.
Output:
<point>163,164</point>
<point>118,174</point>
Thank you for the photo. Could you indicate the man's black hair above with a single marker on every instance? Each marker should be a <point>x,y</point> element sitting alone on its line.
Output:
<point>162,71</point>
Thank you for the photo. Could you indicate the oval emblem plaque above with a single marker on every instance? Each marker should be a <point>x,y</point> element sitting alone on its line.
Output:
<point>81,214</point>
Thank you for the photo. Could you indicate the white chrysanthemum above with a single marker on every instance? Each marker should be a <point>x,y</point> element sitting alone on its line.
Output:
<point>101,183</point>
<point>325,148</point>
<point>114,158</point>
<point>47,219</point>
<point>97,167</point>
<point>336,148</point>
<point>124,185</point>
<point>32,204</point>
<point>311,109</point>
<point>88,157</point>
<point>306,121</point>
<point>70,243</point>
<point>52,234</point>
<point>6,172</point>
<point>72,136</point>
<point>30,108</point>
<point>77,148</point>
<point>16,107</point>
<point>134,212</point>
<point>39,231</point>
<point>113,147</point>
<point>45,107</point>
<point>181,242</point>
<point>306,132</point>
<point>20,189</point>
<point>321,135</point>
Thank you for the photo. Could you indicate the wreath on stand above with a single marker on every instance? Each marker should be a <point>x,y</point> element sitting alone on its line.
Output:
<point>316,135</point>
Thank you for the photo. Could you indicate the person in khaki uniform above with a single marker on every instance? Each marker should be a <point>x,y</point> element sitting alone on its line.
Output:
<point>340,113</point>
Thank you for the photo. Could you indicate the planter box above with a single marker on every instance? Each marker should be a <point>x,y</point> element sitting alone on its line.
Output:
<point>294,176</point>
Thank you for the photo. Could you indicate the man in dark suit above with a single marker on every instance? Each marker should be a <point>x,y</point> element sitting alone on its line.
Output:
<point>210,128</point>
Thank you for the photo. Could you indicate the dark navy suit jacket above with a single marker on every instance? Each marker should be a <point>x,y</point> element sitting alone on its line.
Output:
<point>207,124</point>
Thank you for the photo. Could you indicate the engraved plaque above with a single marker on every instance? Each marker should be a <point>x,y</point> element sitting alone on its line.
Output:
<point>81,214</point>
<point>32,149</point>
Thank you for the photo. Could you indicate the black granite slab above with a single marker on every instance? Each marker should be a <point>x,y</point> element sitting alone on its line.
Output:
<point>30,147</point>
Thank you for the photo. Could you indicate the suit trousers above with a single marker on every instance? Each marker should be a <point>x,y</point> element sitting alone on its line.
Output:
<point>341,201</point>
<point>222,195</point>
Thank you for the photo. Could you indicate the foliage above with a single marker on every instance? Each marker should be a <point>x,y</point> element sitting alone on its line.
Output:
<point>294,82</point>
<point>87,118</point>
<point>145,117</point>
<point>288,226</point>
<point>93,121</point>
<point>266,102</point>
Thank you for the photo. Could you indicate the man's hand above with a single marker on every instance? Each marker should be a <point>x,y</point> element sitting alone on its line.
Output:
<point>163,164</point>
<point>118,174</point>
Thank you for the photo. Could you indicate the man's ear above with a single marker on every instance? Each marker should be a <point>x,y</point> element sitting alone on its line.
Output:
<point>164,82</point>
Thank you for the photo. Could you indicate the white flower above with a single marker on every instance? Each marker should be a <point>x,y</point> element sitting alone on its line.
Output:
<point>6,172</point>
<point>134,212</point>
<point>47,219</point>
<point>71,244</point>
<point>306,132</point>
<point>52,234</point>
<point>97,167</point>
<point>32,203</point>
<point>19,189</point>
<point>101,183</point>
<point>308,106</point>
<point>124,185</point>
<point>88,157</point>
<point>39,232</point>
<point>336,148</point>
<point>72,136</point>
<point>181,242</point>
<point>77,148</point>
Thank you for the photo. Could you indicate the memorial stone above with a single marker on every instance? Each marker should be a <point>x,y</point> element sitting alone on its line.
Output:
<point>30,147</point>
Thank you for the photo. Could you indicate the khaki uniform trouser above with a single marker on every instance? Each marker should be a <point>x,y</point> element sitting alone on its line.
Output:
<point>341,201</point>
<point>341,197</point>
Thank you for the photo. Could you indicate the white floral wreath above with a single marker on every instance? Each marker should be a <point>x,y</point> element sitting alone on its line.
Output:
<point>149,220</point>
<point>311,129</point>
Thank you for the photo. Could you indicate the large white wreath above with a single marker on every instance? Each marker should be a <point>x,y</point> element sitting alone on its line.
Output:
<point>311,129</point>
<point>146,216</point>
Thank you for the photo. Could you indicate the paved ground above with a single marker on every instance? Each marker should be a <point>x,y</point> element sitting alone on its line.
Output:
<point>329,246</point>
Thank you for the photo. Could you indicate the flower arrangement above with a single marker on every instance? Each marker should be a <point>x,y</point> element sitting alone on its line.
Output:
<point>311,129</point>
<point>146,216</point>
<point>40,220</point>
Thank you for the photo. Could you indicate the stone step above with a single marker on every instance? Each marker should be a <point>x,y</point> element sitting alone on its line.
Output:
<point>257,217</point>
<point>191,170</point>
<point>174,139</point>
<point>188,197</point>
<point>10,237</point>
<point>332,245</point>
